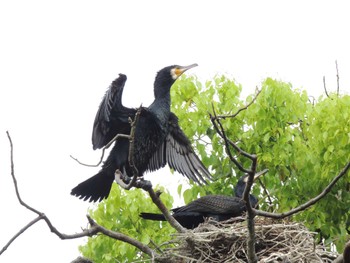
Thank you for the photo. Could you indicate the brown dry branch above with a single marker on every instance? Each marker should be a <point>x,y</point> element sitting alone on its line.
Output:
<point>216,123</point>
<point>117,137</point>
<point>324,86</point>
<point>93,230</point>
<point>336,67</point>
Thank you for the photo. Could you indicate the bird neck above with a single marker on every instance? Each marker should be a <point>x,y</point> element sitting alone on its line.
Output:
<point>239,189</point>
<point>161,107</point>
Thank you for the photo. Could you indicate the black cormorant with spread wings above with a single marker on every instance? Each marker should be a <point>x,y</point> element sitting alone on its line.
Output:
<point>158,139</point>
<point>218,207</point>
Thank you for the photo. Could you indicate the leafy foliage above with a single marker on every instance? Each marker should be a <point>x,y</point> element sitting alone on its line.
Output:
<point>120,212</point>
<point>304,144</point>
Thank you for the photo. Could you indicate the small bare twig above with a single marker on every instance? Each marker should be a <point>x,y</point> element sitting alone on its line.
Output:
<point>241,109</point>
<point>308,203</point>
<point>324,86</point>
<point>222,134</point>
<point>35,220</point>
<point>336,67</point>
<point>265,191</point>
<point>116,138</point>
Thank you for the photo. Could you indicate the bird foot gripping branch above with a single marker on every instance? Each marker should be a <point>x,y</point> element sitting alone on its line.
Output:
<point>127,184</point>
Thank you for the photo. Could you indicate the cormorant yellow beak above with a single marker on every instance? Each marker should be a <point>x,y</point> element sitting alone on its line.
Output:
<point>178,71</point>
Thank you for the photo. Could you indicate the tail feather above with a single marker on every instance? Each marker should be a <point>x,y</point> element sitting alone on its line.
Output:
<point>151,216</point>
<point>95,188</point>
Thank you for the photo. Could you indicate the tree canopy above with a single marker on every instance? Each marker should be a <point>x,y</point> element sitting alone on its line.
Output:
<point>303,142</point>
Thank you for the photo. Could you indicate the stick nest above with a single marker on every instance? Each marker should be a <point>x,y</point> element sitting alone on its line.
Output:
<point>276,241</point>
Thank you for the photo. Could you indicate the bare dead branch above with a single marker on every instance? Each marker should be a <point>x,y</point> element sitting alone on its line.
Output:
<point>19,233</point>
<point>222,134</point>
<point>308,203</point>
<point>324,86</point>
<point>116,138</point>
<point>243,108</point>
<point>229,142</point>
<point>93,230</point>
<point>265,191</point>
<point>14,178</point>
<point>336,67</point>
<point>119,236</point>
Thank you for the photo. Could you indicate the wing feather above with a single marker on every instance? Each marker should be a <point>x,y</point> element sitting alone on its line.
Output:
<point>177,151</point>
<point>112,117</point>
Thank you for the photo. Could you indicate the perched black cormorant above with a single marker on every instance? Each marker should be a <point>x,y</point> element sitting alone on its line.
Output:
<point>218,207</point>
<point>158,138</point>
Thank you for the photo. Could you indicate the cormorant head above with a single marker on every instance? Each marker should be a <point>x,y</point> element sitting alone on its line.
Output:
<point>239,189</point>
<point>166,77</point>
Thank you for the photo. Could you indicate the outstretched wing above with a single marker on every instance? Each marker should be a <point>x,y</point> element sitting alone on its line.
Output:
<point>112,117</point>
<point>176,150</point>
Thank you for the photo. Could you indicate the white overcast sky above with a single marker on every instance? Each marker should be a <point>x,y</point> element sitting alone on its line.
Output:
<point>58,57</point>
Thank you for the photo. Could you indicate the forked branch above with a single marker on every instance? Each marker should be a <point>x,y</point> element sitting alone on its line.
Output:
<point>93,230</point>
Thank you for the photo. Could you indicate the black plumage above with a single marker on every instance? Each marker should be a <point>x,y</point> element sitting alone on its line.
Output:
<point>158,138</point>
<point>218,207</point>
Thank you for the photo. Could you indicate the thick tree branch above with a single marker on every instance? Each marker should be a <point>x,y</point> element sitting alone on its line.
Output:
<point>172,221</point>
<point>308,203</point>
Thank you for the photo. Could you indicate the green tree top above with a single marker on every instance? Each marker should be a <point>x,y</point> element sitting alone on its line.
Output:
<point>304,144</point>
